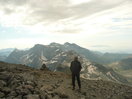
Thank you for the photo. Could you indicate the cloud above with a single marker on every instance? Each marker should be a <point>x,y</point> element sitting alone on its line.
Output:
<point>47,11</point>
<point>54,10</point>
<point>13,2</point>
<point>64,16</point>
<point>95,6</point>
<point>73,30</point>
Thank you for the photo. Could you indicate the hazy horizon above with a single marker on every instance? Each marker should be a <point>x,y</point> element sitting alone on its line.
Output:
<point>98,25</point>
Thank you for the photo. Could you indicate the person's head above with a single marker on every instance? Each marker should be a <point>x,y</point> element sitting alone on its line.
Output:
<point>75,58</point>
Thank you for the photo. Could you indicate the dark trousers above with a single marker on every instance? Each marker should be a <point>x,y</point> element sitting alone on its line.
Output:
<point>74,76</point>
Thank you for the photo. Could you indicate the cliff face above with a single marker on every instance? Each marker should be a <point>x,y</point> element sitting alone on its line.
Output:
<point>22,82</point>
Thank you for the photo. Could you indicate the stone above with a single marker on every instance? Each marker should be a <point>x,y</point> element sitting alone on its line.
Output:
<point>56,97</point>
<point>13,93</point>
<point>62,95</point>
<point>43,67</point>
<point>2,83</point>
<point>5,76</point>
<point>47,87</point>
<point>30,83</point>
<point>19,97</point>
<point>6,90</point>
<point>84,93</point>
<point>28,87</point>
<point>2,95</point>
<point>30,96</point>
<point>22,90</point>
<point>11,97</point>
<point>43,96</point>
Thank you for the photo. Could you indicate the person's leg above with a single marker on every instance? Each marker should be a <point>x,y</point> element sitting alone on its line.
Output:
<point>73,81</point>
<point>78,80</point>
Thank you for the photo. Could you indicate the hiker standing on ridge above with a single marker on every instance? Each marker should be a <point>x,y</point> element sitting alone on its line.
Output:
<point>75,69</point>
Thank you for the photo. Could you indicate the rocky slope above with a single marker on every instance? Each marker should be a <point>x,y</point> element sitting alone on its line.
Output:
<point>123,67</point>
<point>108,58</point>
<point>125,64</point>
<point>22,82</point>
<point>90,70</point>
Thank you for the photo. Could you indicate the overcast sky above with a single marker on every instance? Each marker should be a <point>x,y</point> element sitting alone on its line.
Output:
<point>100,25</point>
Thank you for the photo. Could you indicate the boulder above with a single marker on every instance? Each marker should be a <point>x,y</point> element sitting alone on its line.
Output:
<point>43,67</point>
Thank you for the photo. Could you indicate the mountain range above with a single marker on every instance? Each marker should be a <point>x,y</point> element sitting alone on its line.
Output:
<point>98,57</point>
<point>57,57</point>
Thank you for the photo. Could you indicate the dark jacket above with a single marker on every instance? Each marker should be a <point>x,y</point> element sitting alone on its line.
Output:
<point>75,67</point>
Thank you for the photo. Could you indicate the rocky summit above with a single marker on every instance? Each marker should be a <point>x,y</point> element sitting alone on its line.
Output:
<point>23,82</point>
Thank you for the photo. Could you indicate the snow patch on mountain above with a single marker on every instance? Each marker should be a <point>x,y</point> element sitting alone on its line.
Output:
<point>52,62</point>
<point>43,57</point>
<point>57,50</point>
<point>92,69</point>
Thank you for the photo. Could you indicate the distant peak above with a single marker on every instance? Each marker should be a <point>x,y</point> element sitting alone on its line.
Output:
<point>69,44</point>
<point>38,45</point>
<point>55,44</point>
<point>16,50</point>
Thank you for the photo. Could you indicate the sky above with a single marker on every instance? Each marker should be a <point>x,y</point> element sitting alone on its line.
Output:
<point>99,25</point>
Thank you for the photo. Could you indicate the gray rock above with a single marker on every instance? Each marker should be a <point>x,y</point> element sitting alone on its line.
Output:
<point>23,90</point>
<point>5,76</point>
<point>84,93</point>
<point>30,96</point>
<point>13,93</point>
<point>44,67</point>
<point>6,90</point>
<point>62,95</point>
<point>2,83</point>
<point>2,95</point>
<point>11,97</point>
<point>19,97</point>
